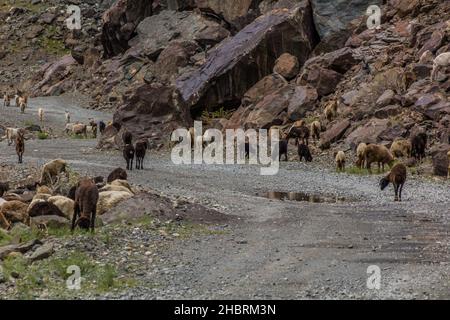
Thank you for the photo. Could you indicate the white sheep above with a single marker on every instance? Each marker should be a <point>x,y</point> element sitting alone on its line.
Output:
<point>64,204</point>
<point>67,117</point>
<point>41,114</point>
<point>441,61</point>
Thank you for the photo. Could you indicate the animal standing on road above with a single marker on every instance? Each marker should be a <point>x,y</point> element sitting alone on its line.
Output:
<point>128,154</point>
<point>6,100</point>
<point>340,161</point>
<point>360,161</point>
<point>85,207</point>
<point>141,148</point>
<point>379,154</point>
<point>67,117</point>
<point>20,146</point>
<point>304,152</point>
<point>41,114</point>
<point>397,177</point>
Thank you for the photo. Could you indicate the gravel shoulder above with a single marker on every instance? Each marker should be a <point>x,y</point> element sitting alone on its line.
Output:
<point>275,249</point>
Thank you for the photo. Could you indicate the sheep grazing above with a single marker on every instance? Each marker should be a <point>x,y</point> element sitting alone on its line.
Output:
<point>331,110</point>
<point>127,137</point>
<point>340,161</point>
<point>6,100</point>
<point>360,162</point>
<point>94,127</point>
<point>67,117</point>
<point>4,187</point>
<point>441,61</point>
<point>128,154</point>
<point>418,145</point>
<point>315,130</point>
<point>22,104</point>
<point>101,127</point>
<point>80,129</point>
<point>397,177</point>
<point>41,114</point>
<point>140,150</point>
<point>11,134</point>
<point>283,149</point>
<point>85,206</point>
<point>379,154</point>
<point>117,174</point>
<point>299,134</point>
<point>401,148</point>
<point>44,208</point>
<point>20,146</point>
<point>51,170</point>
<point>304,152</point>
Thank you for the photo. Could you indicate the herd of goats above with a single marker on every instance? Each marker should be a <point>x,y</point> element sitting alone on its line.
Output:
<point>86,193</point>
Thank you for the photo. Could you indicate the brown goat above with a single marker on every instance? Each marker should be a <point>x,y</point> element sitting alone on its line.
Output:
<point>4,187</point>
<point>20,146</point>
<point>117,174</point>
<point>315,130</point>
<point>397,177</point>
<point>379,154</point>
<point>86,198</point>
<point>128,154</point>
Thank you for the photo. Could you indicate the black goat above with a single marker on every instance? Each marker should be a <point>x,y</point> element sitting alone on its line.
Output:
<point>101,127</point>
<point>299,134</point>
<point>140,150</point>
<point>419,145</point>
<point>304,152</point>
<point>127,137</point>
<point>283,149</point>
<point>128,154</point>
<point>85,207</point>
<point>117,174</point>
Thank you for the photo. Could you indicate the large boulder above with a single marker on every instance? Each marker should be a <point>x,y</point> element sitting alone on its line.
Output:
<point>155,33</point>
<point>120,22</point>
<point>263,87</point>
<point>52,74</point>
<point>334,133</point>
<point>241,61</point>
<point>440,159</point>
<point>153,111</point>
<point>368,133</point>
<point>332,17</point>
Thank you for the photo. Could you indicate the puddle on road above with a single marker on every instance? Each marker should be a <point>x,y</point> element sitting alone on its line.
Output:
<point>303,197</point>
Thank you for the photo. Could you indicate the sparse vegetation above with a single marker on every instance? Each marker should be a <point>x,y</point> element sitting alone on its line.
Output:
<point>42,135</point>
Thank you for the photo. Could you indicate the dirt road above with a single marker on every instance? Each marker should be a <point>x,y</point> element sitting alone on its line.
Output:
<point>284,249</point>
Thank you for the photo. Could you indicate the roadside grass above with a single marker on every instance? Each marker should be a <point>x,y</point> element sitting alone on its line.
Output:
<point>42,135</point>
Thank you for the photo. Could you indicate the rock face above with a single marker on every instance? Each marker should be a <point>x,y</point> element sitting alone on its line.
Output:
<point>331,17</point>
<point>156,32</point>
<point>287,65</point>
<point>241,61</point>
<point>152,111</point>
<point>440,159</point>
<point>120,22</point>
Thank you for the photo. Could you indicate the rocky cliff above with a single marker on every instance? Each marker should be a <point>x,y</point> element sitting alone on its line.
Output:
<point>161,64</point>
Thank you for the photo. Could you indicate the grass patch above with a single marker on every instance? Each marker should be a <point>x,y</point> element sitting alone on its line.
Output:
<point>28,123</point>
<point>356,170</point>
<point>53,46</point>
<point>36,8</point>
<point>42,135</point>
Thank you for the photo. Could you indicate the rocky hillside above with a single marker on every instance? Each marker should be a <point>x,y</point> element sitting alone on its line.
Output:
<point>264,62</point>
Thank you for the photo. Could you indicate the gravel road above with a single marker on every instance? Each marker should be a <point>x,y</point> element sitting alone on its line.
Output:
<point>280,249</point>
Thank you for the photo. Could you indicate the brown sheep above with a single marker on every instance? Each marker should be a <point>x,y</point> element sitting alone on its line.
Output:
<point>379,154</point>
<point>6,100</point>
<point>117,174</point>
<point>331,110</point>
<point>340,161</point>
<point>20,146</point>
<point>4,187</point>
<point>85,207</point>
<point>397,177</point>
<point>360,162</point>
<point>401,148</point>
<point>301,134</point>
<point>51,170</point>
<point>315,130</point>
<point>80,129</point>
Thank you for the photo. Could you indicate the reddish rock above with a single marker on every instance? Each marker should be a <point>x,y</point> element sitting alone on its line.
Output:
<point>263,87</point>
<point>54,73</point>
<point>304,99</point>
<point>386,98</point>
<point>334,134</point>
<point>324,80</point>
<point>120,22</point>
<point>241,61</point>
<point>368,133</point>
<point>440,159</point>
<point>287,65</point>
<point>153,111</point>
